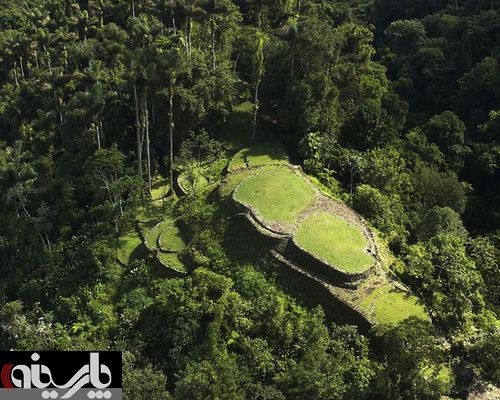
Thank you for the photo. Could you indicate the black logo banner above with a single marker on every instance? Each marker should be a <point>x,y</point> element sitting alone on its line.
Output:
<point>58,374</point>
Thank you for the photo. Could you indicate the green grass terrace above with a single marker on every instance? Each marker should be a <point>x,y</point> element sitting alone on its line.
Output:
<point>259,154</point>
<point>389,305</point>
<point>127,245</point>
<point>166,241</point>
<point>277,195</point>
<point>170,238</point>
<point>335,241</point>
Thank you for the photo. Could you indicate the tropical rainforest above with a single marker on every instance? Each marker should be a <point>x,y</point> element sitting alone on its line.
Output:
<point>118,120</point>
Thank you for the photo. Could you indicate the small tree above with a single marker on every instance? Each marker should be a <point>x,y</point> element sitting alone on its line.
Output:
<point>173,63</point>
<point>413,361</point>
<point>441,220</point>
<point>197,149</point>
<point>107,174</point>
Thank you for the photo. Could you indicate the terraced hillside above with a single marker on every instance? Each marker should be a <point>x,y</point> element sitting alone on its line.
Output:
<point>157,237</point>
<point>334,240</point>
<point>165,240</point>
<point>321,246</point>
<point>322,249</point>
<point>278,195</point>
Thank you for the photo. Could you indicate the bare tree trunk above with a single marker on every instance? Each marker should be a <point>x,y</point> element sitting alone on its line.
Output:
<point>100,127</point>
<point>21,66</point>
<point>214,57</point>
<point>146,126</point>
<point>49,63</point>
<point>59,108</point>
<point>37,230</point>
<point>48,241</point>
<point>153,111</point>
<point>133,8</point>
<point>65,54</point>
<point>174,26</point>
<point>15,74</point>
<point>98,136</point>
<point>138,132</point>
<point>35,53</point>
<point>42,239</point>
<point>236,62</point>
<point>171,134</point>
<point>255,109</point>
<point>189,34</point>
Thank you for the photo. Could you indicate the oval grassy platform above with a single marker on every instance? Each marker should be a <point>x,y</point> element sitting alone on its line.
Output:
<point>170,239</point>
<point>159,189</point>
<point>335,241</point>
<point>278,195</point>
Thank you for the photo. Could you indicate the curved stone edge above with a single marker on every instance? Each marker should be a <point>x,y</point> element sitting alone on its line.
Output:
<point>165,195</point>
<point>144,236</point>
<point>272,239</point>
<point>182,189</point>
<point>167,251</point>
<point>177,186</point>
<point>256,167</point>
<point>341,210</point>
<point>263,230</point>
<point>175,273</point>
<point>332,274</point>
<point>142,248</point>
<point>347,213</point>
<point>243,207</point>
<point>322,293</point>
<point>163,249</point>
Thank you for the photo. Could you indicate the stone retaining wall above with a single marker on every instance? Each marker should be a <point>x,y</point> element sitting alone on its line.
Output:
<point>242,207</point>
<point>313,291</point>
<point>268,236</point>
<point>166,271</point>
<point>329,273</point>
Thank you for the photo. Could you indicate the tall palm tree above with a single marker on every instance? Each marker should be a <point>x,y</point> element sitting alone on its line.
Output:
<point>214,9</point>
<point>172,65</point>
<point>96,8</point>
<point>190,9</point>
<point>137,61</point>
<point>134,68</point>
<point>168,9</point>
<point>259,70</point>
<point>289,30</point>
<point>98,105</point>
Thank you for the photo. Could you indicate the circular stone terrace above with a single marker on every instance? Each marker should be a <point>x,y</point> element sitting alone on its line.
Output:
<point>284,201</point>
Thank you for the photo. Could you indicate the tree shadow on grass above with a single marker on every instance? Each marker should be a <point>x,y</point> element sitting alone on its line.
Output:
<point>243,243</point>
